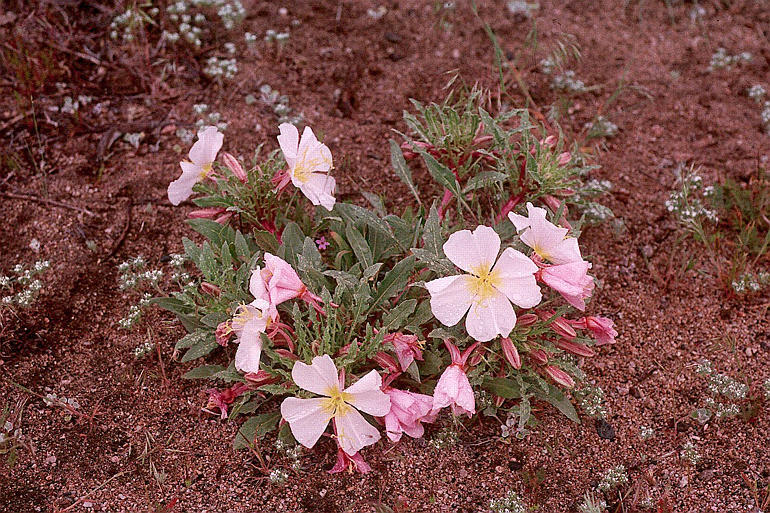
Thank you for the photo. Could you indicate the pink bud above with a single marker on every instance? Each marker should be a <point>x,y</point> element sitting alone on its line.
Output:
<point>206,213</point>
<point>560,376</point>
<point>510,353</point>
<point>527,319</point>
<point>235,166</point>
<point>287,354</point>
<point>257,379</point>
<point>551,141</point>
<point>210,289</point>
<point>539,356</point>
<point>387,362</point>
<point>224,218</point>
<point>574,347</point>
<point>223,332</point>
<point>565,158</point>
<point>562,327</point>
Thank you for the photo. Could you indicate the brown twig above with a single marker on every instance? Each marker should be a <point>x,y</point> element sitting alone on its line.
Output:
<point>123,234</point>
<point>46,201</point>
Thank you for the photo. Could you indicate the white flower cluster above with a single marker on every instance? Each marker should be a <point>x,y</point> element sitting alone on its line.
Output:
<point>592,504</point>
<point>127,25</point>
<point>567,82</point>
<point>720,410</point>
<point>27,279</point>
<point>135,313</point>
<point>646,432</point>
<point>280,38</point>
<point>278,102</point>
<point>72,106</point>
<point>601,127</point>
<point>377,13</point>
<point>766,386</point>
<point>597,213</point>
<point>721,60</point>
<point>250,38</point>
<point>447,437</point>
<point>724,385</point>
<point>756,93</point>
<point>511,503</point>
<point>765,116</point>
<point>206,119</point>
<point>592,401</point>
<point>278,476</point>
<point>511,426</point>
<point>294,453</point>
<point>613,478</point>
<point>190,25</point>
<point>143,349</point>
<point>684,204</point>
<point>522,8</point>
<point>750,282</point>
<point>8,434</point>
<point>217,67</point>
<point>51,398</point>
<point>690,453</point>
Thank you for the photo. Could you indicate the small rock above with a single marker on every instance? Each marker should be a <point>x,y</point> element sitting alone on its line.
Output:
<point>605,430</point>
<point>392,37</point>
<point>706,475</point>
<point>683,482</point>
<point>88,504</point>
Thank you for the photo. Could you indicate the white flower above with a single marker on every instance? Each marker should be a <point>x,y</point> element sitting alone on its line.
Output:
<point>549,241</point>
<point>308,418</point>
<point>486,290</point>
<point>202,156</point>
<point>249,323</point>
<point>309,163</point>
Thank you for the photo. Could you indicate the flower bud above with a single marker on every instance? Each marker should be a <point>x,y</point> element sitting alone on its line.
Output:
<point>206,213</point>
<point>539,356</point>
<point>287,354</point>
<point>551,141</point>
<point>560,376</point>
<point>574,347</point>
<point>259,378</point>
<point>386,361</point>
<point>565,158</point>
<point>224,218</point>
<point>510,353</point>
<point>210,289</point>
<point>562,327</point>
<point>235,167</point>
<point>527,319</point>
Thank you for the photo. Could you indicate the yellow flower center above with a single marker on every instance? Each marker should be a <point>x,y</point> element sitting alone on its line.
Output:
<point>484,283</point>
<point>304,166</point>
<point>206,169</point>
<point>541,252</point>
<point>336,405</point>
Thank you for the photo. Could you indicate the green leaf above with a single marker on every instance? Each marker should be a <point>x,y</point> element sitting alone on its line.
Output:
<point>200,349</point>
<point>393,282</point>
<point>292,242</point>
<point>395,318</point>
<point>214,319</point>
<point>192,250</point>
<point>432,239</point>
<point>266,241</point>
<point>213,231</point>
<point>503,387</point>
<point>376,203</point>
<point>191,339</point>
<point>208,262</point>
<point>402,169</point>
<point>173,305</point>
<point>442,174</point>
<point>204,371</point>
<point>562,403</point>
<point>242,250</point>
<point>484,179</point>
<point>359,245</point>
<point>255,427</point>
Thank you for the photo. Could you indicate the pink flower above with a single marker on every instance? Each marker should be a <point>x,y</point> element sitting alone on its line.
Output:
<point>560,376</point>
<point>570,280</point>
<point>308,418</point>
<point>453,388</point>
<point>488,289</point>
<point>277,283</point>
<point>510,353</point>
<point>407,412</point>
<point>321,243</point>
<point>407,348</point>
<point>309,164</point>
<point>223,332</point>
<point>602,328</point>
<point>202,156</point>
<point>550,242</point>
<point>222,399</point>
<point>249,323</point>
<point>354,463</point>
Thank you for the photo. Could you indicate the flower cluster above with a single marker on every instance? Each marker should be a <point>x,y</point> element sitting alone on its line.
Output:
<point>24,282</point>
<point>401,319</point>
<point>685,203</point>
<point>722,60</point>
<point>278,103</point>
<point>567,82</point>
<point>217,67</point>
<point>511,503</point>
<point>601,127</point>
<point>719,385</point>
<point>128,24</point>
<point>612,478</point>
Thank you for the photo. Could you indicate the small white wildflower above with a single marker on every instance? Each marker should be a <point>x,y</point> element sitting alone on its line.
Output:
<point>690,453</point>
<point>278,476</point>
<point>377,13</point>
<point>511,503</point>
<point>646,432</point>
<point>613,478</point>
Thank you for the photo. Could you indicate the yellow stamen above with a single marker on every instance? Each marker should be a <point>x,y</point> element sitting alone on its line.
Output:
<point>336,405</point>
<point>483,283</point>
<point>206,170</point>
<point>304,166</point>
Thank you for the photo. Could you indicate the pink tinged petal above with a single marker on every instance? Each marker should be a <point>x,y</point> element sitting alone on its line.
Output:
<point>319,189</point>
<point>566,251</point>
<point>307,144</point>
<point>320,377</point>
<point>517,278</point>
<point>249,350</point>
<point>475,251</point>
<point>365,395</point>
<point>181,188</point>
<point>307,418</point>
<point>559,376</point>
<point>354,432</point>
<point>289,141</point>
<point>571,281</point>
<point>205,149</point>
<point>602,328</point>
<point>257,285</point>
<point>519,221</point>
<point>453,388</point>
<point>491,317</point>
<point>450,298</point>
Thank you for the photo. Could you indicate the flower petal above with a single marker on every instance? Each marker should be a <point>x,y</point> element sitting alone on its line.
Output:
<point>181,188</point>
<point>354,432</point>
<point>205,149</point>
<point>450,297</point>
<point>319,189</point>
<point>475,251</point>
<point>289,142</point>
<point>307,418</point>
<point>249,347</point>
<point>491,317</point>
<point>318,377</point>
<point>365,395</point>
<point>517,278</point>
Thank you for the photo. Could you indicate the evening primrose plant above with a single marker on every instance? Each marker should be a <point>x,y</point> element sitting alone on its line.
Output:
<point>329,320</point>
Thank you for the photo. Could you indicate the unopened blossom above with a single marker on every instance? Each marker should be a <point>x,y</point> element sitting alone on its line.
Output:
<point>235,167</point>
<point>202,156</point>
<point>408,410</point>
<point>407,347</point>
<point>550,242</point>
<point>222,399</point>
<point>488,289</point>
<point>559,376</point>
<point>309,164</point>
<point>453,388</point>
<point>249,323</point>
<point>510,353</point>
<point>308,418</point>
<point>278,282</point>
<point>573,347</point>
<point>602,328</point>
